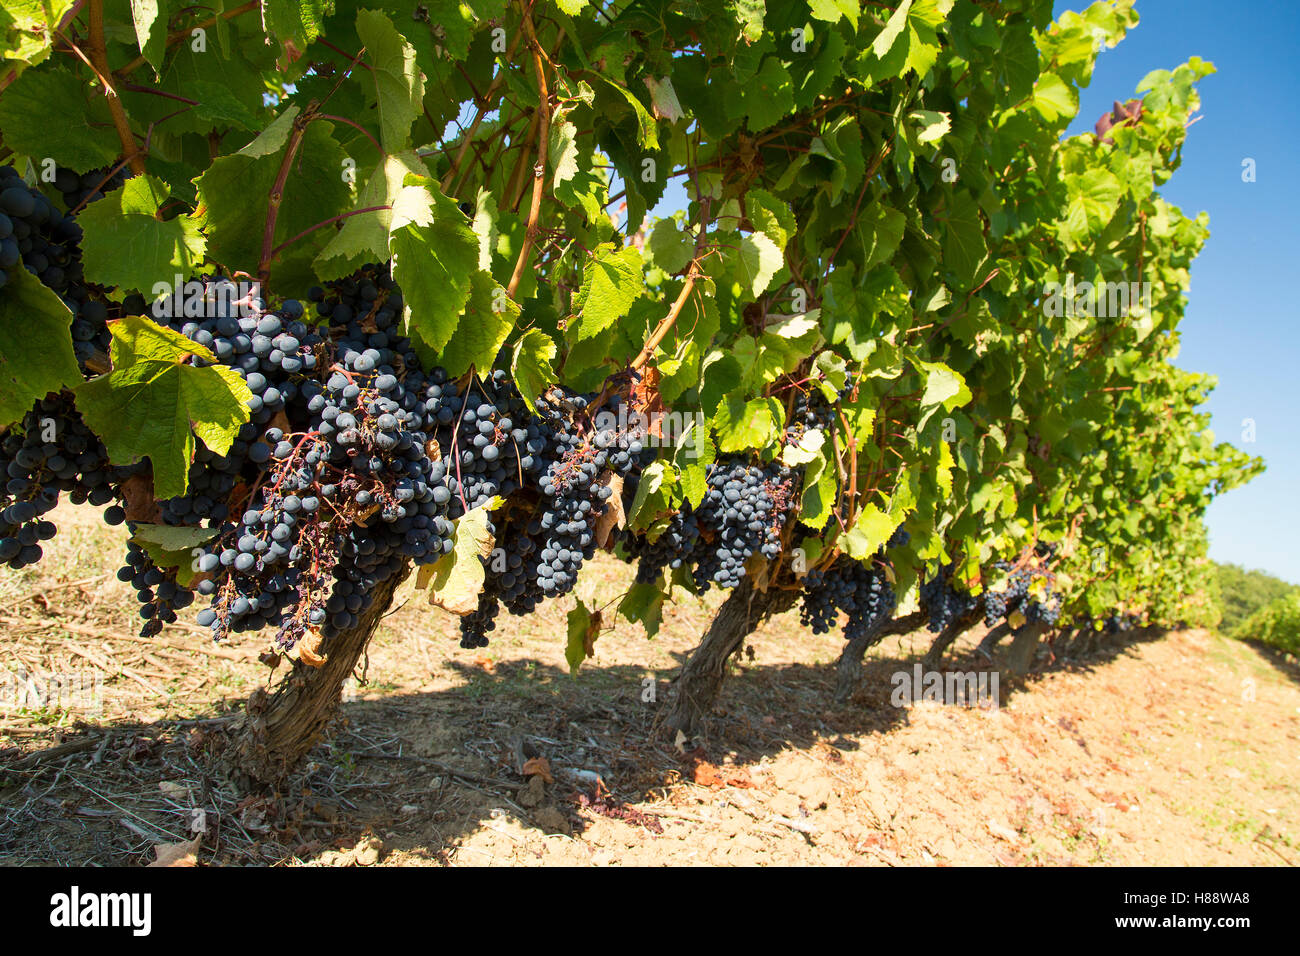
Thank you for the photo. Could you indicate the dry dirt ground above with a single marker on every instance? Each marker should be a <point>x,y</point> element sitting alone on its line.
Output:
<point>1175,750</point>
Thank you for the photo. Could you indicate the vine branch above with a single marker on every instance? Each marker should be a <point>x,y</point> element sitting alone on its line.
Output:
<point>99,59</point>
<point>539,170</point>
<point>300,125</point>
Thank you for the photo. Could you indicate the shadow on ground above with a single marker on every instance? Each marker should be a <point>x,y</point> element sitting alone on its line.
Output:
<point>422,770</point>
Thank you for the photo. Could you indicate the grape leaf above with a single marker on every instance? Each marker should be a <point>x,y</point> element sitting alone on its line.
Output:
<point>296,22</point>
<point>612,281</point>
<point>455,580</point>
<point>869,532</point>
<point>364,237</point>
<point>399,85</point>
<point>744,425</point>
<point>488,319</point>
<point>150,29</point>
<point>127,246</point>
<point>563,152</point>
<point>931,126</point>
<point>153,404</point>
<point>963,239</point>
<point>173,547</point>
<point>766,99</point>
<point>584,628</point>
<point>81,138</point>
<point>435,256</point>
<point>531,366</point>
<point>484,225</point>
<point>1055,99</point>
<point>695,452</point>
<point>31,313</point>
<point>655,496</point>
<point>758,262</point>
<point>664,99</point>
<point>669,248</point>
<point>26,32</point>
<point>943,386</point>
<point>644,604</point>
<point>820,488</point>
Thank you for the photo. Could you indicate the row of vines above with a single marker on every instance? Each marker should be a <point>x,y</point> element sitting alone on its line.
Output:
<point>310,294</point>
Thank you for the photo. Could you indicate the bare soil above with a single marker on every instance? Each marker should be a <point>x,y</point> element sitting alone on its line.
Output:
<point>1172,750</point>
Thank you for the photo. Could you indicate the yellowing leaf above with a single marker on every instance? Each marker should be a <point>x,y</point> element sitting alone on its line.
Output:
<point>456,579</point>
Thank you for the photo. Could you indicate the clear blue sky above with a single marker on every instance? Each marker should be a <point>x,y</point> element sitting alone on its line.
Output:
<point>1241,321</point>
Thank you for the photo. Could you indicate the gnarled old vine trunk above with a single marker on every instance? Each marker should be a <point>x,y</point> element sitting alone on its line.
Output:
<point>945,639</point>
<point>1020,656</point>
<point>696,686</point>
<point>278,728</point>
<point>849,668</point>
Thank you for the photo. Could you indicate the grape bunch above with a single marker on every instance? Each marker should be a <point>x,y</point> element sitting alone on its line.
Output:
<point>34,234</point>
<point>51,451</point>
<point>349,495</point>
<point>671,549</point>
<point>943,603</point>
<point>743,514</point>
<point>862,591</point>
<point>1014,594</point>
<point>156,588</point>
<point>564,452</point>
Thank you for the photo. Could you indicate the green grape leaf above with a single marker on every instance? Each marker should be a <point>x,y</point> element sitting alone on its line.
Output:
<point>742,425</point>
<point>455,580</point>
<point>296,22</point>
<point>820,488</point>
<point>128,247</point>
<point>36,355</point>
<point>749,14</point>
<point>485,227</point>
<point>892,30</point>
<point>174,546</point>
<point>399,85</point>
<point>26,32</point>
<point>832,11</point>
<point>485,325</point>
<point>219,106</point>
<point>695,453</point>
<point>943,386</point>
<point>150,30</point>
<point>757,263</point>
<point>656,496</point>
<point>871,530</point>
<point>644,604</point>
<point>664,99</point>
<point>670,249</point>
<point>81,138</point>
<point>764,100</point>
<point>1055,99</point>
<point>531,367</point>
<point>364,237</point>
<point>563,151</point>
<point>963,239</point>
<point>153,403</point>
<point>807,449</point>
<point>435,257</point>
<point>612,281</point>
<point>647,129</point>
<point>931,126</point>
